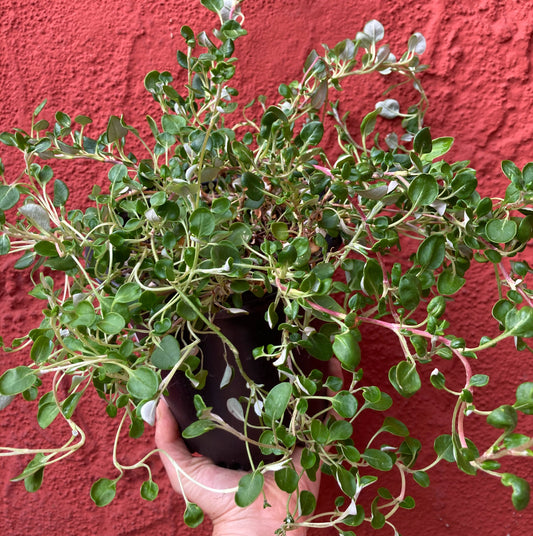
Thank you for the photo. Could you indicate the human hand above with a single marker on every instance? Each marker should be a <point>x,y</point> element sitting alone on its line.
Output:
<point>228,518</point>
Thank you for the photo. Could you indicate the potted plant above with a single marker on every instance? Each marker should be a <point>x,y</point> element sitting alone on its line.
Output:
<point>256,215</point>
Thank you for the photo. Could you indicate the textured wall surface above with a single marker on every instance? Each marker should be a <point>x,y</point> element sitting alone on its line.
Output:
<point>90,57</point>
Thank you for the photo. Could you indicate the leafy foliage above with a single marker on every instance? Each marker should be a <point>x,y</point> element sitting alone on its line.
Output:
<point>222,202</point>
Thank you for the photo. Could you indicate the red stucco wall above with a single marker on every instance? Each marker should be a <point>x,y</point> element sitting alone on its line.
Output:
<point>90,57</point>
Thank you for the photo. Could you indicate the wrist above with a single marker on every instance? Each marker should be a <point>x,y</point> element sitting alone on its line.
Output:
<point>237,529</point>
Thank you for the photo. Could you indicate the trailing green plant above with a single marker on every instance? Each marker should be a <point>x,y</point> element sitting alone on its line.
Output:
<point>220,201</point>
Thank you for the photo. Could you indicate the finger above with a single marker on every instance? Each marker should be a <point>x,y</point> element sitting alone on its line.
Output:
<point>167,437</point>
<point>166,430</point>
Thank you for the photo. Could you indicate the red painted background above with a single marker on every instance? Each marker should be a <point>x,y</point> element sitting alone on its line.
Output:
<point>90,57</point>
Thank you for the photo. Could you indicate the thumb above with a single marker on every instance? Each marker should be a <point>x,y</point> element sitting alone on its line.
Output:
<point>167,437</point>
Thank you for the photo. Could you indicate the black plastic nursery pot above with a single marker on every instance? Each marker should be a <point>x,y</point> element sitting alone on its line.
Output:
<point>246,332</point>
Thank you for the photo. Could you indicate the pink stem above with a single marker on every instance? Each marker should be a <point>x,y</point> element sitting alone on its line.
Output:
<point>468,369</point>
<point>396,328</point>
<point>509,281</point>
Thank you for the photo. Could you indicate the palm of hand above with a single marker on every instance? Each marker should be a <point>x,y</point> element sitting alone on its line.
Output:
<point>228,518</point>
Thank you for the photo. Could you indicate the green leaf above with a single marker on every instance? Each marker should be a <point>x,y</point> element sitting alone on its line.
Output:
<point>513,441</point>
<point>280,230</point>
<point>33,482</point>
<point>395,427</point>
<point>287,479</point>
<point>444,447</point>
<point>437,379</point>
<point>369,122</point>
<point>254,185</point>
<point>524,398</point>
<point>166,354</point>
<point>464,455</point>
<point>17,380</point>
<point>464,184</point>
<point>431,252</point>
<point>306,502</point>
<point>63,119</point>
<point>319,431</point>
<point>449,283</point>
<point>25,261</point>
<point>143,383</point>
<point>213,5</point>
<point>173,124</point>
<point>41,349</point>
<point>83,120</point>
<point>115,129</point>
<point>521,490</point>
<point>5,245</point>
<point>250,486</point>
<point>408,503</point>
<point>39,108</point>
<point>47,413</point>
<point>45,174</point>
<point>85,314</point>
<point>128,293</point>
<point>186,311</point>
<point>35,464</point>
<point>112,323</point>
<point>69,404</point>
<point>527,176</point>
<point>346,349</point>
<point>423,190</point>
<point>479,380</point>
<point>345,404</point>
<point>409,450</point>
<point>519,322</point>
<point>117,173</point>
<point>193,515</point>
<point>503,417</point>
<point>409,291</point>
<point>312,133</point>
<point>136,427</point>
<point>318,345</point>
<point>437,306</point>
<point>373,278</point>
<point>231,29</point>
<point>198,428</point>
<point>339,431</point>
<point>61,193</point>
<point>422,142</point>
<point>103,491</point>
<point>405,379</point>
<point>512,172</point>
<point>149,490</point>
<point>202,222</point>
<point>500,310</point>
<point>378,518</point>
<point>272,115</point>
<point>223,253</point>
<point>421,478</point>
<point>378,459</point>
<point>501,231</point>
<point>308,459</point>
<point>440,146</point>
<point>277,400</point>
<point>375,399</point>
<point>320,94</point>
<point>347,481</point>
<point>45,249</point>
